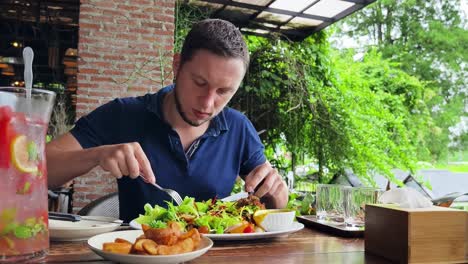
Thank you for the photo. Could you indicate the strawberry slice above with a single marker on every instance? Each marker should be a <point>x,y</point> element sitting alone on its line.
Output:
<point>6,135</point>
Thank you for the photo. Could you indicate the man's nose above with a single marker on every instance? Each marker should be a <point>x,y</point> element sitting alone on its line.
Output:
<point>207,99</point>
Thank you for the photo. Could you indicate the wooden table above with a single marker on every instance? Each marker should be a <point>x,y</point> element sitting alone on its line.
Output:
<point>305,246</point>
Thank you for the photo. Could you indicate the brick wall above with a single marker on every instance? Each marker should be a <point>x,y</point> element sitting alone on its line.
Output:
<point>122,44</point>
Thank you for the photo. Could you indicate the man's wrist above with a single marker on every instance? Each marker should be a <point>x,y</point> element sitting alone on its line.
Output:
<point>92,156</point>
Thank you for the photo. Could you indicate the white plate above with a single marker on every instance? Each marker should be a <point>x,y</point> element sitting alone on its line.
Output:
<point>81,230</point>
<point>247,236</point>
<point>95,244</point>
<point>133,224</point>
<point>251,236</point>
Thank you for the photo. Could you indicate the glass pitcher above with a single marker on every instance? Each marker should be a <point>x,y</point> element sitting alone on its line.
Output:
<point>23,174</point>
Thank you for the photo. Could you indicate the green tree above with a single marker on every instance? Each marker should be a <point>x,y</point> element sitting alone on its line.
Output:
<point>363,115</point>
<point>185,16</point>
<point>429,40</point>
<point>385,113</point>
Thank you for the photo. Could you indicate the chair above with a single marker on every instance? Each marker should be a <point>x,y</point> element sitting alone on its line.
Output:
<point>107,205</point>
<point>60,199</point>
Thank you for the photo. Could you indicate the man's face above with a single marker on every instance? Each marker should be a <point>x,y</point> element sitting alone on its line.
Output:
<point>205,84</point>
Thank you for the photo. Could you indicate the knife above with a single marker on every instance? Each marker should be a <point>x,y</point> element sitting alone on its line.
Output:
<point>76,218</point>
<point>235,197</point>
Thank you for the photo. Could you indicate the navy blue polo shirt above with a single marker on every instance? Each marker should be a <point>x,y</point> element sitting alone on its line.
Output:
<point>230,147</point>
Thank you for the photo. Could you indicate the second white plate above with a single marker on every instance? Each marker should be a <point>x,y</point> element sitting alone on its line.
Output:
<point>95,244</point>
<point>246,236</point>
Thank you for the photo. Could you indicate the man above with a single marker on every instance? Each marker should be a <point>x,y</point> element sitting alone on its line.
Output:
<point>184,137</point>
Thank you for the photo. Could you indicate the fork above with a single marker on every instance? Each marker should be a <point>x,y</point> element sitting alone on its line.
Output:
<point>173,194</point>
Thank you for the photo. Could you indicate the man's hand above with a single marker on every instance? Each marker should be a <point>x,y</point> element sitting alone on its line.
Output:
<point>126,159</point>
<point>268,185</point>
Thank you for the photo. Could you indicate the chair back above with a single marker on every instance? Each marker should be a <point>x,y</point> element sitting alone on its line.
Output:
<point>107,205</point>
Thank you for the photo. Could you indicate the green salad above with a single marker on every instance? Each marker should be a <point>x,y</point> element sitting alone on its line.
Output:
<point>215,215</point>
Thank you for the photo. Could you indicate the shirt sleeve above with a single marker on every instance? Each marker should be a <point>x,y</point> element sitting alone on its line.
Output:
<point>253,152</point>
<point>98,127</point>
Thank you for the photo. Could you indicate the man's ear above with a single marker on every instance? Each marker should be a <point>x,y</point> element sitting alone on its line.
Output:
<point>175,64</point>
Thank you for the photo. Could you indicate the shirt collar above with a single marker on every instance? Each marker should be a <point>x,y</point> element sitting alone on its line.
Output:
<point>218,125</point>
<point>155,105</point>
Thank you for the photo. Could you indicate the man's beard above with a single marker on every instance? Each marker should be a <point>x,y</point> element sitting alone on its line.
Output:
<point>182,113</point>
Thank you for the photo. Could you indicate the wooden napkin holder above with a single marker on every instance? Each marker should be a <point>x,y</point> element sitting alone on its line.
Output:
<point>420,235</point>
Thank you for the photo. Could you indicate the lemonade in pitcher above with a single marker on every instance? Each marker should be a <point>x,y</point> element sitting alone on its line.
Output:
<point>23,174</point>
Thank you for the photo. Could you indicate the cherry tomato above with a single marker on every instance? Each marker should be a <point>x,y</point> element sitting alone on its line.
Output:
<point>249,229</point>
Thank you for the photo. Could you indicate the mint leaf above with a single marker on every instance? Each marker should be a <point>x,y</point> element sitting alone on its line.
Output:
<point>32,151</point>
<point>23,232</point>
<point>38,228</point>
<point>25,189</point>
<point>9,228</point>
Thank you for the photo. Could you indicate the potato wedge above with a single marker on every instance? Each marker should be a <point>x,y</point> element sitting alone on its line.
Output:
<point>164,236</point>
<point>120,248</point>
<point>121,240</point>
<point>182,246</point>
<point>138,246</point>
<point>150,247</point>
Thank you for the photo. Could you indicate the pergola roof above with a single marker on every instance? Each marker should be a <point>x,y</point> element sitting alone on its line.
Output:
<point>295,19</point>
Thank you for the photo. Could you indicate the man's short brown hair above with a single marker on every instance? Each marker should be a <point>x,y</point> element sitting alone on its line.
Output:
<point>218,36</point>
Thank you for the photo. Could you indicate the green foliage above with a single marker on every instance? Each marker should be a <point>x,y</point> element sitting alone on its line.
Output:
<point>384,112</point>
<point>460,167</point>
<point>429,40</point>
<point>281,95</point>
<point>343,114</point>
<point>185,16</point>
<point>302,204</point>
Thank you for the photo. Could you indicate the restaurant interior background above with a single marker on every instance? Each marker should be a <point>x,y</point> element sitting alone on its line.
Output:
<point>50,28</point>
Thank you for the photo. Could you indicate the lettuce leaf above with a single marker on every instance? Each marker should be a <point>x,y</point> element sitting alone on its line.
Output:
<point>217,216</point>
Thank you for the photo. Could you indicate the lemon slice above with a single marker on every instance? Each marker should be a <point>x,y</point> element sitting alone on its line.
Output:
<point>259,215</point>
<point>237,229</point>
<point>20,155</point>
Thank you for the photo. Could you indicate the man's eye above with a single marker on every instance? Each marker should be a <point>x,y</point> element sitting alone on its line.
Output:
<point>223,91</point>
<point>200,83</point>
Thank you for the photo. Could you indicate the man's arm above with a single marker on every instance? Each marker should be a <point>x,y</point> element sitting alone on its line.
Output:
<point>66,160</point>
<point>268,185</point>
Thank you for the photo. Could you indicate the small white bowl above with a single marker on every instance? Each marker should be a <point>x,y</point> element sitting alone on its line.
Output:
<point>274,219</point>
